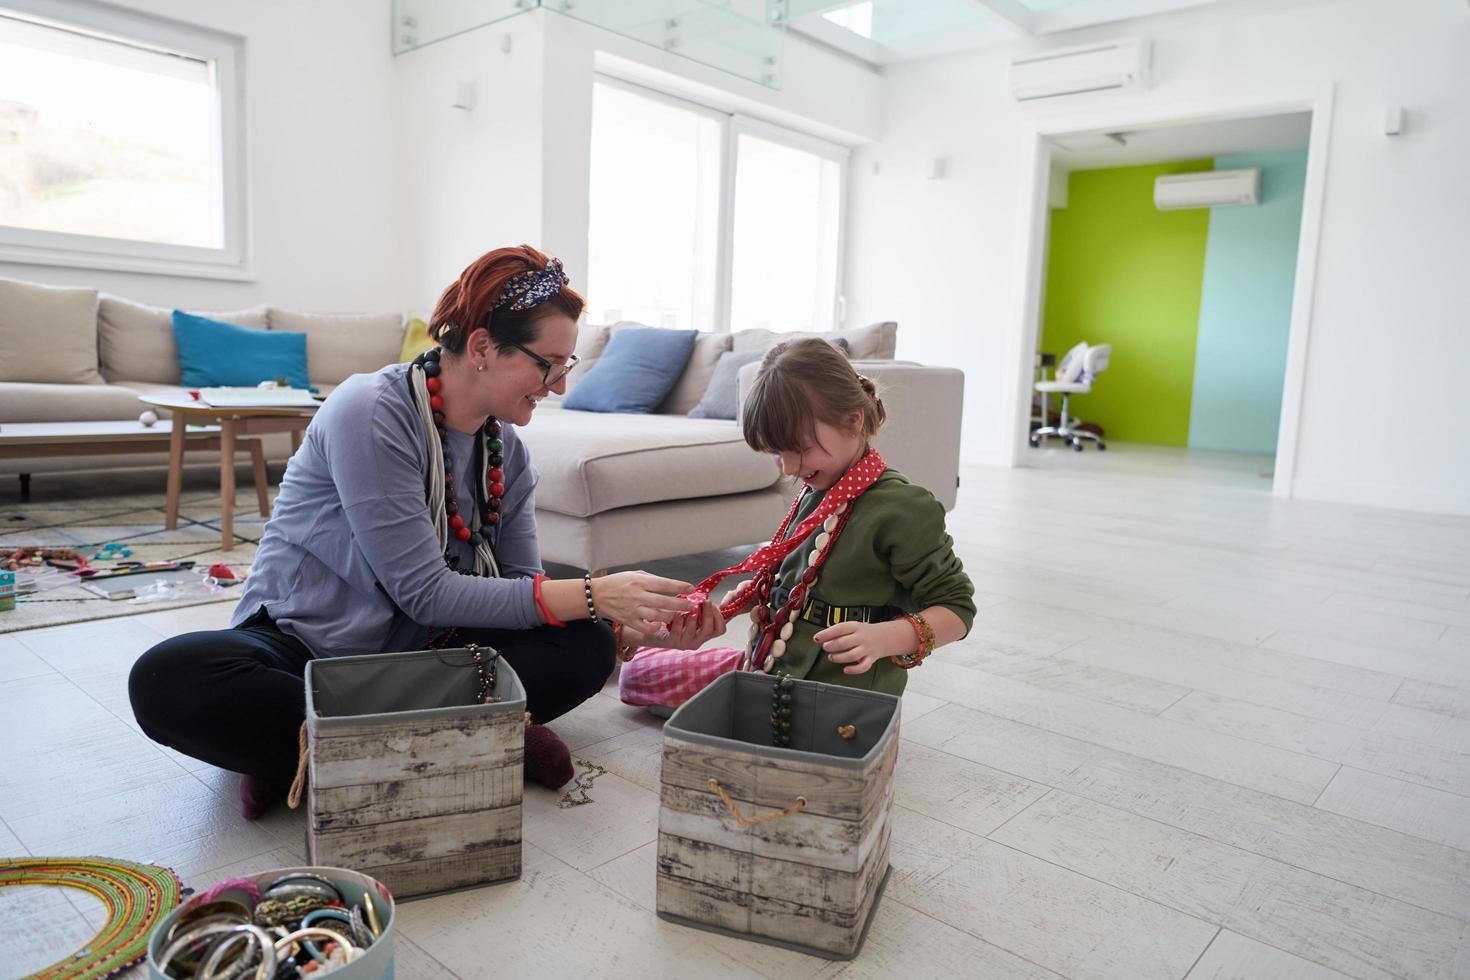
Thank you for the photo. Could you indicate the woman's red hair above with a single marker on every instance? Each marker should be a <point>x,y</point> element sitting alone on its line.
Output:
<point>469,301</point>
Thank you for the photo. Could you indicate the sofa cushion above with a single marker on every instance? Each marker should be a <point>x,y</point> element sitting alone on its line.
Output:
<point>595,463</point>
<point>416,339</point>
<point>339,346</point>
<point>48,334</point>
<point>591,341</point>
<point>874,342</point>
<point>691,386</point>
<point>636,371</point>
<point>35,402</point>
<point>721,397</point>
<point>136,342</point>
<point>215,353</point>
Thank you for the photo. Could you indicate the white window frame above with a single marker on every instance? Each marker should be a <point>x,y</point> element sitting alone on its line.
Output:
<point>732,126</point>
<point>232,260</point>
<point>740,125</point>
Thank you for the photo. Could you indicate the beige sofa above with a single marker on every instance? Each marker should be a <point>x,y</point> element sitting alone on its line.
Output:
<point>615,489</point>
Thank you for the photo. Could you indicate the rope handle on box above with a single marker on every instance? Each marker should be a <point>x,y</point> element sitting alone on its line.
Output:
<point>293,798</point>
<point>745,821</point>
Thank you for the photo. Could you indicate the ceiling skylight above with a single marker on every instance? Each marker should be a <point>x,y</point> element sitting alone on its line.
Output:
<point>857,17</point>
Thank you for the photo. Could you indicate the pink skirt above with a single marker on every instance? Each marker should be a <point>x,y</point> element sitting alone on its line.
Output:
<point>661,677</point>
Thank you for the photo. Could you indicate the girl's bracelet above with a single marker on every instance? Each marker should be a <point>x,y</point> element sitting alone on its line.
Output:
<point>925,634</point>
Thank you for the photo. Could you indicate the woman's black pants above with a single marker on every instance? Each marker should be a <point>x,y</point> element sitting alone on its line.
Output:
<point>236,698</point>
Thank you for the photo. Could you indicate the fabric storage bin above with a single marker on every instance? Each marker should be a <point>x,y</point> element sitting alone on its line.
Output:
<point>783,845</point>
<point>411,780</point>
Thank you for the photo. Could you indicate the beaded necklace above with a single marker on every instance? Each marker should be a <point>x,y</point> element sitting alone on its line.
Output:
<point>475,532</point>
<point>491,446</point>
<point>770,632</point>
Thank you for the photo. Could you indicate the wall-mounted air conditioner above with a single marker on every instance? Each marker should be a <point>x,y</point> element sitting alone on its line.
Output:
<point>1207,189</point>
<point>1112,66</point>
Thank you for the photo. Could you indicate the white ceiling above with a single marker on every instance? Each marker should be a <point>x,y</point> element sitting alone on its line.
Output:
<point>905,30</point>
<point>1263,134</point>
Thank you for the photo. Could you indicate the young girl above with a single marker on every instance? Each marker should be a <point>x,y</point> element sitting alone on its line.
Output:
<point>860,582</point>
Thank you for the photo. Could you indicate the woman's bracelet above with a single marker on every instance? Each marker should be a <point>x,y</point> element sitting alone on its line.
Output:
<point>925,634</point>
<point>541,605</point>
<point>587,592</point>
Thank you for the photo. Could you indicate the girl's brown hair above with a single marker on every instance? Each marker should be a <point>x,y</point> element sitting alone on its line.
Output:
<point>469,302</point>
<point>803,382</point>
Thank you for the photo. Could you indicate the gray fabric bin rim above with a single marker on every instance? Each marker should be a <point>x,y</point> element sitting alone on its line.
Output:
<point>508,689</point>
<point>703,701</point>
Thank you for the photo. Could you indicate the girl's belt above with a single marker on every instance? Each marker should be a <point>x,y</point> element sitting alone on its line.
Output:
<point>823,613</point>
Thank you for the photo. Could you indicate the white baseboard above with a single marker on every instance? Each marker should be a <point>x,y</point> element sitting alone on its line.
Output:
<point>1377,495</point>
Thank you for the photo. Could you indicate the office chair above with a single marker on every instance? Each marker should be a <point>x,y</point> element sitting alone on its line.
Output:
<point>1074,377</point>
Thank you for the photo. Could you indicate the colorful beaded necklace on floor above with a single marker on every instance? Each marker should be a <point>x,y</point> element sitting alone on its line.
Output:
<point>770,632</point>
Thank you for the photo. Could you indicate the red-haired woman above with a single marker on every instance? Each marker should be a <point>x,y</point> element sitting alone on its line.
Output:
<point>406,520</point>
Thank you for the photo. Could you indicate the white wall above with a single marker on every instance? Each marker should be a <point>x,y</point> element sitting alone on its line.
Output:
<point>326,225</point>
<point>517,168</point>
<point>471,180</point>
<point>1389,334</point>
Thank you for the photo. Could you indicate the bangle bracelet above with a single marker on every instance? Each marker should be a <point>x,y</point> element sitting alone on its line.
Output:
<point>625,650</point>
<point>587,592</point>
<point>925,634</point>
<point>541,605</point>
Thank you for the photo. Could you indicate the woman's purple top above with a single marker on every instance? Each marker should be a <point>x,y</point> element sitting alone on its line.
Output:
<point>350,563</point>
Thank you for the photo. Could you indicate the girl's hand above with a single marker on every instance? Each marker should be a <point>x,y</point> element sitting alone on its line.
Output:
<point>860,645</point>
<point>695,628</point>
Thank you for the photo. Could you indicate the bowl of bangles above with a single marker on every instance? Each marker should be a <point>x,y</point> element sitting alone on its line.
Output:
<point>287,924</point>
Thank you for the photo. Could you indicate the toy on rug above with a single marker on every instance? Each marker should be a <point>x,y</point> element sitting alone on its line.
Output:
<point>26,558</point>
<point>137,897</point>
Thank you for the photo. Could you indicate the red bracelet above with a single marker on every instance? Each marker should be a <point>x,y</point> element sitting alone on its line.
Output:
<point>541,603</point>
<point>925,634</point>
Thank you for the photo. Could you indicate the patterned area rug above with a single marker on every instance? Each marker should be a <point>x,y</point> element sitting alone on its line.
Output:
<point>134,521</point>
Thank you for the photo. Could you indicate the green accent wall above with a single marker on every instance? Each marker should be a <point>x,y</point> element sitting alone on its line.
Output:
<point>1122,272</point>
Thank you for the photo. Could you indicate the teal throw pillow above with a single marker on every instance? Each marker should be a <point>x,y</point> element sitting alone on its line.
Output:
<point>213,353</point>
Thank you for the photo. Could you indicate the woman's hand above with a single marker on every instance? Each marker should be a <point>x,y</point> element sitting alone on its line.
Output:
<point>637,598</point>
<point>694,629</point>
<point>860,645</point>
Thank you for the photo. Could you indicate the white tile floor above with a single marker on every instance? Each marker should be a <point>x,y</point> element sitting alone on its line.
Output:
<point>1195,732</point>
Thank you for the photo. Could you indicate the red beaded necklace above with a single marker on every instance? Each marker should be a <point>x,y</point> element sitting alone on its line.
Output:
<point>769,632</point>
<point>491,445</point>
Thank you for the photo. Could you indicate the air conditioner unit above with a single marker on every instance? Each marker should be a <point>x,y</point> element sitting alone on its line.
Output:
<point>1207,189</point>
<point>1114,66</point>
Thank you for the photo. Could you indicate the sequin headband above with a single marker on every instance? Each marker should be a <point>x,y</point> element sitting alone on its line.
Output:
<point>532,288</point>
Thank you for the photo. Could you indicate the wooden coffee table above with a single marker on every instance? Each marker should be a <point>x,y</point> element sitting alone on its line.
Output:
<point>233,423</point>
<point>39,440</point>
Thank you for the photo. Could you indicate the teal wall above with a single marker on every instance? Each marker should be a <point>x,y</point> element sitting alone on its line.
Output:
<point>1245,309</point>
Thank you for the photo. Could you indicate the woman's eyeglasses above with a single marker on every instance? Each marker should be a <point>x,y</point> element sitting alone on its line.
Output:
<point>550,373</point>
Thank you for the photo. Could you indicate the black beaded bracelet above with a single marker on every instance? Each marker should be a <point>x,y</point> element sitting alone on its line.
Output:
<point>587,591</point>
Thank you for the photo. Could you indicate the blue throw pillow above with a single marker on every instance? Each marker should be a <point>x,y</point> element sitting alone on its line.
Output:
<point>722,397</point>
<point>636,371</point>
<point>217,354</point>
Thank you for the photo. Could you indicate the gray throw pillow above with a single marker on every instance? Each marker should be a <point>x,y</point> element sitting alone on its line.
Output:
<point>719,398</point>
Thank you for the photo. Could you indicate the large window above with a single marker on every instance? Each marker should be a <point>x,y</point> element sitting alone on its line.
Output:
<point>118,143</point>
<point>709,220</point>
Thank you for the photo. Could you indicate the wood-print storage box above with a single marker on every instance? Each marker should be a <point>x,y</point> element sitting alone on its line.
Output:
<point>411,780</point>
<point>810,879</point>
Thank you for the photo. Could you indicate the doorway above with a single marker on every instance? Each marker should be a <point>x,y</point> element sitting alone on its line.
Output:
<point>1206,314</point>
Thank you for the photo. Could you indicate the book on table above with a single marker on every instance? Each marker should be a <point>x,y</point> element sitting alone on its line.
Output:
<point>258,398</point>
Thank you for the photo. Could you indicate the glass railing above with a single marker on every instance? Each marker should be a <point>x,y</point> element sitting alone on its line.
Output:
<point>742,37</point>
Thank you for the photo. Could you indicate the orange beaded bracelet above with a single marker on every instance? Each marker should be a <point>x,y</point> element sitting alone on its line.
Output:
<point>925,634</point>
